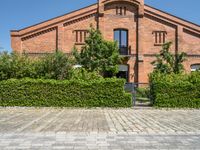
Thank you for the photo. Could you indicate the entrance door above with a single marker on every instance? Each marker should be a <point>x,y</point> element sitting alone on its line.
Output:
<point>123,72</point>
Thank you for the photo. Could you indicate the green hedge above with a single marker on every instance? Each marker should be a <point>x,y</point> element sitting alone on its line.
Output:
<point>175,91</point>
<point>67,93</point>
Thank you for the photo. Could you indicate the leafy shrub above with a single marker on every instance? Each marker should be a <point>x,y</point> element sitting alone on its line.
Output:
<point>64,93</point>
<point>143,92</point>
<point>167,63</point>
<point>82,74</point>
<point>175,90</point>
<point>54,66</point>
<point>15,66</point>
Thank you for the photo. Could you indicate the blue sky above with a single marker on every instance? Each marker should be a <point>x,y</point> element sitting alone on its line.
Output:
<point>17,14</point>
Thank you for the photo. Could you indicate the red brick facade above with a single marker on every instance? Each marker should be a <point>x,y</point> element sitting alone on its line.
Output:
<point>147,28</point>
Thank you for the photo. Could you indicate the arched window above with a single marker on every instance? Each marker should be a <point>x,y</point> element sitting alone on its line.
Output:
<point>121,36</point>
<point>195,67</point>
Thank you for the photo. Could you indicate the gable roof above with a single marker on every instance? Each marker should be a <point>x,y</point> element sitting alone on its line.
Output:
<point>171,18</point>
<point>62,18</point>
<point>93,9</point>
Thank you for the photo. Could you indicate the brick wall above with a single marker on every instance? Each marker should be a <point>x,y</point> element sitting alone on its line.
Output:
<point>142,22</point>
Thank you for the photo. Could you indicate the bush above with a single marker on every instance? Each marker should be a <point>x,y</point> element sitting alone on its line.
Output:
<point>143,92</point>
<point>175,90</point>
<point>83,74</point>
<point>65,93</point>
<point>15,66</point>
<point>52,66</point>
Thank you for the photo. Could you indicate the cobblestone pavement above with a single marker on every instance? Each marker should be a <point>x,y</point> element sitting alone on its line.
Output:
<point>49,128</point>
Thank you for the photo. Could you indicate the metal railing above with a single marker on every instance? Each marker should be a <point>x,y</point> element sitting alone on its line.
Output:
<point>124,51</point>
<point>140,93</point>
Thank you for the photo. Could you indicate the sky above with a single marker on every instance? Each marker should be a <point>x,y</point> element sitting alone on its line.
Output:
<point>17,14</point>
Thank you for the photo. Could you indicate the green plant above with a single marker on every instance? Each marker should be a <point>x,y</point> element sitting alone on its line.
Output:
<point>82,74</point>
<point>64,93</point>
<point>16,66</point>
<point>175,90</point>
<point>143,92</point>
<point>98,55</point>
<point>54,66</point>
<point>166,62</point>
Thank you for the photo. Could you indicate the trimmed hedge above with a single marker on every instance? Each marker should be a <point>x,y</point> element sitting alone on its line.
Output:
<point>175,91</point>
<point>67,93</point>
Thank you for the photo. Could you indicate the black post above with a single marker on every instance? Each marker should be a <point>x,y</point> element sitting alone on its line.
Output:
<point>134,94</point>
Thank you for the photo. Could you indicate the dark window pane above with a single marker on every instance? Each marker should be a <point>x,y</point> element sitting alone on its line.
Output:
<point>123,38</point>
<point>117,37</point>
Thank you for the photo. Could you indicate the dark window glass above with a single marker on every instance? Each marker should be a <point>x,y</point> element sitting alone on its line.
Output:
<point>121,36</point>
<point>117,36</point>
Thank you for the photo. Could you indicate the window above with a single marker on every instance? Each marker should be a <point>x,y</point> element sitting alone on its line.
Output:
<point>121,11</point>
<point>80,36</point>
<point>160,37</point>
<point>121,36</point>
<point>123,72</point>
<point>195,67</point>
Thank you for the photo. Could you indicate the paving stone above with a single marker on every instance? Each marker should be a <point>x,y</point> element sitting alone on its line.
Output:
<point>49,128</point>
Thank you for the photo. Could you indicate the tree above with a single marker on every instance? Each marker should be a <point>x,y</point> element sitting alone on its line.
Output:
<point>167,63</point>
<point>98,54</point>
<point>14,65</point>
<point>54,66</point>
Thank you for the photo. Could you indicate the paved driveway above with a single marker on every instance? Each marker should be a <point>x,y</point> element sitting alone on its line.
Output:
<point>46,128</point>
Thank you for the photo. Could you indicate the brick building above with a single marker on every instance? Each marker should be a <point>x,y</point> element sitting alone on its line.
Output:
<point>139,29</point>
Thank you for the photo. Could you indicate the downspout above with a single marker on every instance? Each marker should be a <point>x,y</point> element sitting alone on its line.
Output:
<point>137,48</point>
<point>98,14</point>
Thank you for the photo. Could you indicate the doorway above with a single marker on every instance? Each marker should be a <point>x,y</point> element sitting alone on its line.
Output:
<point>123,72</point>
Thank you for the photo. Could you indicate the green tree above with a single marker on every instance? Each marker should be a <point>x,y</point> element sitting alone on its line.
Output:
<point>54,66</point>
<point>167,63</point>
<point>15,65</point>
<point>98,54</point>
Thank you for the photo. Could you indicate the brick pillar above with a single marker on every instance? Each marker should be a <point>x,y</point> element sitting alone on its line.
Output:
<point>60,37</point>
<point>179,38</point>
<point>101,17</point>
<point>179,49</point>
<point>16,44</point>
<point>141,75</point>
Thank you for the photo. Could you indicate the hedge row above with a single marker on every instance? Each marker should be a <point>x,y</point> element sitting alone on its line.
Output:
<point>176,91</point>
<point>67,93</point>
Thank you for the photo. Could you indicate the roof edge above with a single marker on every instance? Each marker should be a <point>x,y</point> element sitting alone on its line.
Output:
<point>198,25</point>
<point>12,31</point>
